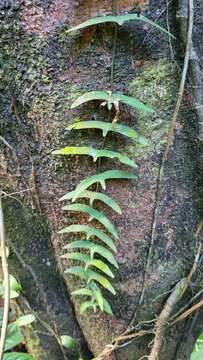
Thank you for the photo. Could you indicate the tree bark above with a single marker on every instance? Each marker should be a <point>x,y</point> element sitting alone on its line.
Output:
<point>42,70</point>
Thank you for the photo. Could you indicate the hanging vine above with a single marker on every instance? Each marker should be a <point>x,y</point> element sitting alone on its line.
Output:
<point>98,260</point>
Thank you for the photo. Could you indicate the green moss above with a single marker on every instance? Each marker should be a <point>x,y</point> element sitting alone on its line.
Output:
<point>33,343</point>
<point>154,87</point>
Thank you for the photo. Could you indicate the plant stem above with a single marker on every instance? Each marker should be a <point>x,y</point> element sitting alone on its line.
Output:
<point>6,282</point>
<point>113,54</point>
<point>111,83</point>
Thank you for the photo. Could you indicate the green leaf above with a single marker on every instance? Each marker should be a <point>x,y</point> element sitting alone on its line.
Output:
<point>95,153</point>
<point>119,20</point>
<point>93,248</point>
<point>128,100</point>
<point>91,232</point>
<point>14,294</point>
<point>94,214</point>
<point>200,338</point>
<point>77,271</point>
<point>14,337</point>
<point>14,284</point>
<point>90,275</point>
<point>85,305</point>
<point>101,280</point>
<point>77,256</point>
<point>99,264</point>
<point>94,195</point>
<point>110,98</point>
<point>106,127</point>
<point>25,320</point>
<point>109,174</point>
<point>107,307</point>
<point>1,290</point>
<point>82,292</point>
<point>197,355</point>
<point>100,299</point>
<point>68,341</point>
<point>17,356</point>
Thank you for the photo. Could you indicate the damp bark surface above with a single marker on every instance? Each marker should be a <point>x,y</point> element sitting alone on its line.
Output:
<point>43,70</point>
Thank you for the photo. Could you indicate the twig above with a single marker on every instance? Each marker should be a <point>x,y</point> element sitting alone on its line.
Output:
<point>173,298</point>
<point>199,228</point>
<point>115,35</point>
<point>195,68</point>
<point>197,89</point>
<point>151,30</point>
<point>183,81</point>
<point>4,194</point>
<point>188,312</point>
<point>165,155</point>
<point>186,305</point>
<point>168,28</point>
<point>13,152</point>
<point>163,319</point>
<point>112,347</point>
<point>51,332</point>
<point>6,282</point>
<point>33,185</point>
<point>193,269</point>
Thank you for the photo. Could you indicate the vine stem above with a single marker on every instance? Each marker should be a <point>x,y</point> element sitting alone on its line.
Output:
<point>6,281</point>
<point>169,142</point>
<point>114,53</point>
<point>163,318</point>
<point>111,83</point>
<point>188,312</point>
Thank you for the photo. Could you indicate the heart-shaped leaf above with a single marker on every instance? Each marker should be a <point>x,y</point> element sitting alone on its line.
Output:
<point>25,320</point>
<point>68,341</point>
<point>14,337</point>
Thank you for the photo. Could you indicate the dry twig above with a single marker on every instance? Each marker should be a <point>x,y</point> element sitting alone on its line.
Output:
<point>188,312</point>
<point>13,152</point>
<point>112,347</point>
<point>163,319</point>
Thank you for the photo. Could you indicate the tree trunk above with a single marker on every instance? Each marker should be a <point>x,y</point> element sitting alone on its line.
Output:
<point>43,70</point>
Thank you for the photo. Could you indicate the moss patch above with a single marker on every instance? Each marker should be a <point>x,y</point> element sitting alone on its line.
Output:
<point>154,87</point>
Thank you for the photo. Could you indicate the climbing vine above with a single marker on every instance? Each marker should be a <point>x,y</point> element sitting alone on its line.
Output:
<point>98,258</point>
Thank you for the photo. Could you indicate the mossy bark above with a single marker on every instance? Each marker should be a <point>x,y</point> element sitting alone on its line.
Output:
<point>43,70</point>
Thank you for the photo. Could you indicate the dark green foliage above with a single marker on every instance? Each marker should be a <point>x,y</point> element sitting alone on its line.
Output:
<point>119,20</point>
<point>96,259</point>
<point>95,262</point>
<point>110,99</point>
